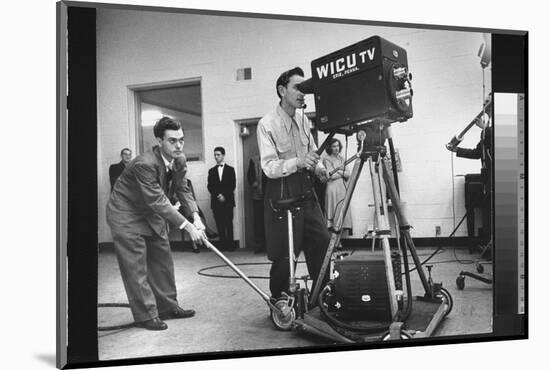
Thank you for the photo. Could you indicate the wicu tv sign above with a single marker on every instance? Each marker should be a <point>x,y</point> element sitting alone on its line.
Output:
<point>345,65</point>
<point>363,82</point>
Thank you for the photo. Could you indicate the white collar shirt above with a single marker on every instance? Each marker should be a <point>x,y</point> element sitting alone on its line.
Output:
<point>167,164</point>
<point>282,140</point>
<point>220,170</point>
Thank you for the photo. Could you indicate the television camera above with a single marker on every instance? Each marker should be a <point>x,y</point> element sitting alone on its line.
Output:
<point>363,89</point>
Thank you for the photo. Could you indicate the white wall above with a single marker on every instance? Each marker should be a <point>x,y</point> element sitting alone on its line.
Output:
<point>145,47</point>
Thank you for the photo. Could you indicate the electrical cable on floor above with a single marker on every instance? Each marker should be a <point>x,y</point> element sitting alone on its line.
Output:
<point>441,248</point>
<point>462,262</point>
<point>445,261</point>
<point>202,271</point>
<point>208,268</point>
<point>114,327</point>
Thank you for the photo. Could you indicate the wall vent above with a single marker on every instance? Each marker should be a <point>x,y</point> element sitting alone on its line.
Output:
<point>244,74</point>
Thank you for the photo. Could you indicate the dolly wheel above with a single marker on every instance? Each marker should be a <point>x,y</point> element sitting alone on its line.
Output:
<point>281,321</point>
<point>480,268</point>
<point>403,335</point>
<point>460,284</point>
<point>447,298</point>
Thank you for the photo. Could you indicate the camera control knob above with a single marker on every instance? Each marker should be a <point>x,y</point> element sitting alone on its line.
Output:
<point>400,73</point>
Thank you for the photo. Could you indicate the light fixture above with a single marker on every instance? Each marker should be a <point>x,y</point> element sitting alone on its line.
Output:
<point>150,117</point>
<point>244,131</point>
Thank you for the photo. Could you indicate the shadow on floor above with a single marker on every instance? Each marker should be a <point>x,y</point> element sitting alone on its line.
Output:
<point>47,358</point>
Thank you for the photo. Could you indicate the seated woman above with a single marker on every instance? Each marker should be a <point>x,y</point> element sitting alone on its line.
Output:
<point>336,185</point>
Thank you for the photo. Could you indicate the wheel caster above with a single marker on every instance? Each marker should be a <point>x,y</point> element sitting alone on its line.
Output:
<point>480,268</point>
<point>460,284</point>
<point>403,335</point>
<point>285,320</point>
<point>448,299</point>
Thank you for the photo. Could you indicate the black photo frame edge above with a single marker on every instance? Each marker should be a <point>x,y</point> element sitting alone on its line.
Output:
<point>77,226</point>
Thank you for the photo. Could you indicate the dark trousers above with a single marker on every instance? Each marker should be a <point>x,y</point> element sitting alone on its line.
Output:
<point>259,231</point>
<point>223,216</point>
<point>471,220</point>
<point>486,214</point>
<point>147,271</point>
<point>309,227</point>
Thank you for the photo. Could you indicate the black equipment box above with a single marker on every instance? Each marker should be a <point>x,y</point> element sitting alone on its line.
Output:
<point>473,186</point>
<point>361,288</point>
<point>365,82</point>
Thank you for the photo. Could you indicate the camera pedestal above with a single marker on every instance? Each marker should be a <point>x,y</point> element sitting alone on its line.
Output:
<point>438,301</point>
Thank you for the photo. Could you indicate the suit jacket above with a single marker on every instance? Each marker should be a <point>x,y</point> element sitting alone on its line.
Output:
<point>181,189</point>
<point>226,187</point>
<point>138,202</point>
<point>115,170</point>
<point>483,151</point>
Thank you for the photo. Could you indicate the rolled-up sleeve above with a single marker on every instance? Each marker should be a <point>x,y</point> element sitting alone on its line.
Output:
<point>273,166</point>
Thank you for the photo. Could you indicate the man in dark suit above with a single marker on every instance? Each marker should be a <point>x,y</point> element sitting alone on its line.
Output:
<point>221,185</point>
<point>137,212</point>
<point>115,170</point>
<point>483,151</point>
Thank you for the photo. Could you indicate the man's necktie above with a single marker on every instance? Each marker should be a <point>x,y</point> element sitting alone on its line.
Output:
<point>168,181</point>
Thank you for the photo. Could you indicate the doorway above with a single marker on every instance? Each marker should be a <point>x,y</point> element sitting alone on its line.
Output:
<point>249,149</point>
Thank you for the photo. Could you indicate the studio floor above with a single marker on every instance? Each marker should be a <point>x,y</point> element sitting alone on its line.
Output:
<point>231,316</point>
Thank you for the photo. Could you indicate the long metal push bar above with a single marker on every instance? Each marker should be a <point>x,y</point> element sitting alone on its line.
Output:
<point>291,255</point>
<point>264,295</point>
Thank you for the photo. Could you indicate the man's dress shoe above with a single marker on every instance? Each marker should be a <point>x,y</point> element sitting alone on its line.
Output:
<point>177,313</point>
<point>153,324</point>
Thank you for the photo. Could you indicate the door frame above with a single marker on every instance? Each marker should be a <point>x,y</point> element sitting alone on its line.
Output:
<point>134,108</point>
<point>241,174</point>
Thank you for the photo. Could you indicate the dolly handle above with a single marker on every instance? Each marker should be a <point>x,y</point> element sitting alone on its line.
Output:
<point>238,271</point>
<point>325,143</point>
<point>348,161</point>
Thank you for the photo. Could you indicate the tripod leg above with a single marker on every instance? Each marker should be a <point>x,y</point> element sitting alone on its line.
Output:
<point>337,227</point>
<point>396,202</point>
<point>381,214</point>
<point>374,232</point>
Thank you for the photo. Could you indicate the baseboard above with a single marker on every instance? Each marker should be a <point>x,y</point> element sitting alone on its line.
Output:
<point>459,242</point>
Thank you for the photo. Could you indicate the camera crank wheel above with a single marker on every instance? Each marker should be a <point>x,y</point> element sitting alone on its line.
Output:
<point>283,321</point>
